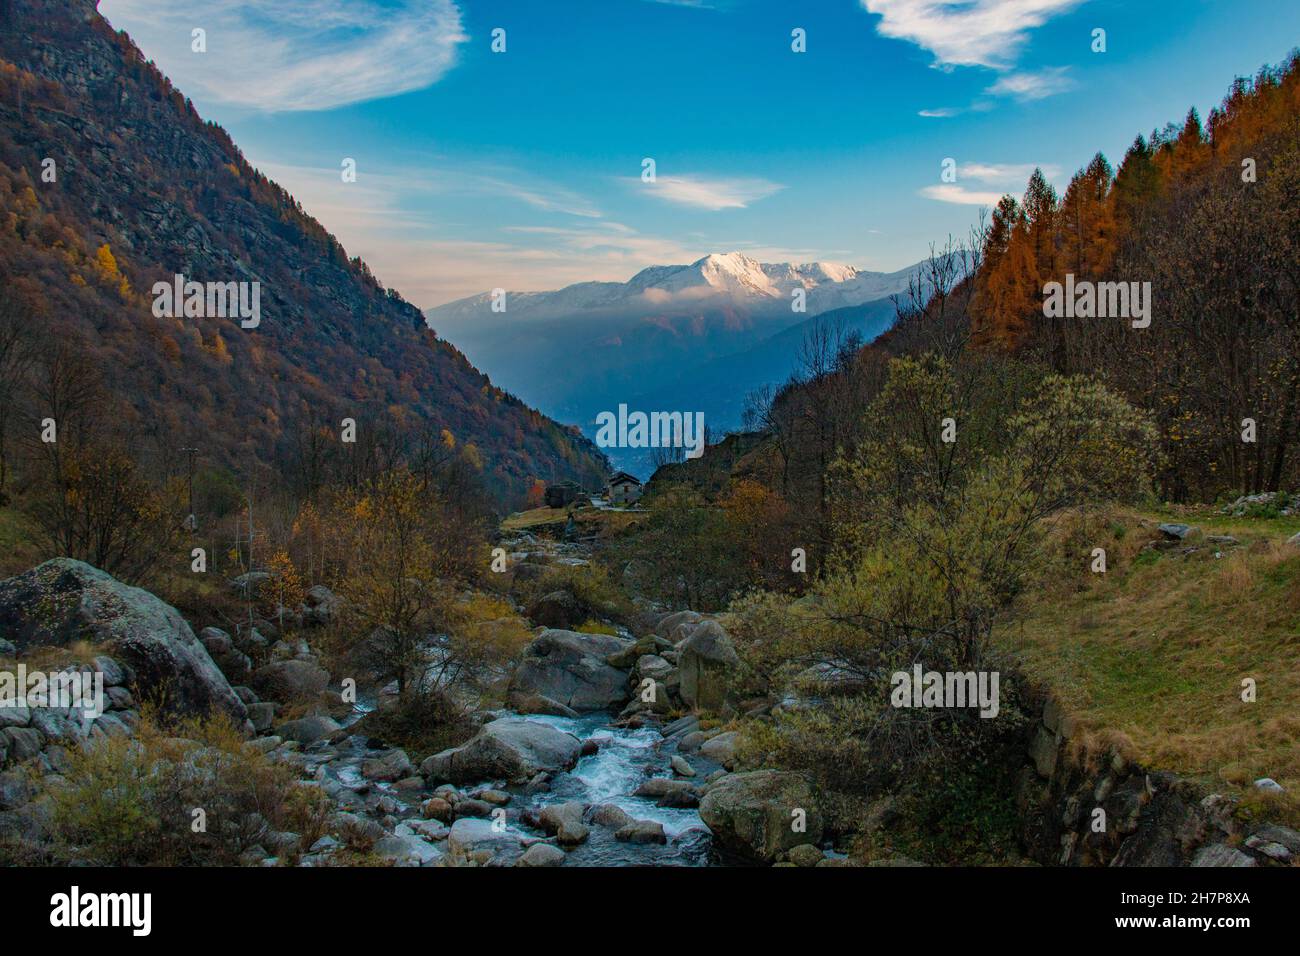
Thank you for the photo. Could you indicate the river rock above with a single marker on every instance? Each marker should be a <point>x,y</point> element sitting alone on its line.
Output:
<point>560,609</point>
<point>473,808</point>
<point>570,668</point>
<point>405,850</point>
<point>477,841</point>
<point>290,680</point>
<point>681,766</point>
<point>307,730</point>
<point>609,815</point>
<point>436,808</point>
<point>706,666</point>
<point>752,815</point>
<point>642,831</point>
<point>509,748</point>
<point>524,703</point>
<point>64,601</point>
<point>805,854</point>
<point>542,854</point>
<point>389,766</point>
<point>722,748</point>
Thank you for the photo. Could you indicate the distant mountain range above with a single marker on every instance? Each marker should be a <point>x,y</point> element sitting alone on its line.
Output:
<point>695,337</point>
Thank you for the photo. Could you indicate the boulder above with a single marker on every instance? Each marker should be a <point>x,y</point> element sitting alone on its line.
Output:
<point>509,748</point>
<point>654,667</point>
<point>1220,854</point>
<point>525,703</point>
<point>320,606</point>
<point>405,850</point>
<point>64,601</point>
<point>609,815</point>
<point>542,854</point>
<point>570,668</point>
<point>389,766</point>
<point>682,766</point>
<point>290,680</point>
<point>676,626</point>
<point>805,854</point>
<point>560,609</point>
<point>721,749</point>
<point>478,841</point>
<point>250,584</point>
<point>641,831</point>
<point>706,666</point>
<point>754,815</point>
<point>564,820</point>
<point>307,730</point>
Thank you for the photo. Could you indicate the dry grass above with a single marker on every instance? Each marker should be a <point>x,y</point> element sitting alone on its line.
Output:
<point>1157,649</point>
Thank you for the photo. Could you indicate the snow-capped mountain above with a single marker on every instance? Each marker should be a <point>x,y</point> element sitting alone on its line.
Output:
<point>714,279</point>
<point>695,336</point>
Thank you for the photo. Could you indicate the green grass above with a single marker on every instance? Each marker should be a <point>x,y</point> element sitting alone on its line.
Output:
<point>1155,651</point>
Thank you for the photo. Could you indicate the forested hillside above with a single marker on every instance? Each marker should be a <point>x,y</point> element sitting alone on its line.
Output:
<point>109,182</point>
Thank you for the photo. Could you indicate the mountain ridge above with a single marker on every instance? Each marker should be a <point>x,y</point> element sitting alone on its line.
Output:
<point>145,189</point>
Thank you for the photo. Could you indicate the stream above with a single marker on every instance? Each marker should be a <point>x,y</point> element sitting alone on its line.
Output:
<point>626,758</point>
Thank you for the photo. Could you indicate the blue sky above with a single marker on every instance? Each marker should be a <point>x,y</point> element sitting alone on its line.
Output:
<point>522,169</point>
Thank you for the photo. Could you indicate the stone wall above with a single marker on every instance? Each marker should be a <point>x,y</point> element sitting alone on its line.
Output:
<point>1146,818</point>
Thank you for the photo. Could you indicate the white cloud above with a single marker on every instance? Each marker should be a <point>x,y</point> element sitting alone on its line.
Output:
<point>295,54</point>
<point>941,113</point>
<point>1010,173</point>
<point>952,193</point>
<point>986,33</point>
<point>709,193</point>
<point>1033,86</point>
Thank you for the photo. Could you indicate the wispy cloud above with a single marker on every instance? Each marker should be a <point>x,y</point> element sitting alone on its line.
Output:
<point>295,54</point>
<point>1007,173</point>
<point>712,193</point>
<point>942,113</point>
<point>986,33</point>
<point>1033,86</point>
<point>960,195</point>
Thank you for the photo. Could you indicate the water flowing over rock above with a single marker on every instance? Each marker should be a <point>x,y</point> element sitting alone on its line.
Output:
<point>570,668</point>
<point>511,748</point>
<point>63,601</point>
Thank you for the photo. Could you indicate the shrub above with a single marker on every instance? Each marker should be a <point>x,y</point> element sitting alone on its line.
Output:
<point>133,801</point>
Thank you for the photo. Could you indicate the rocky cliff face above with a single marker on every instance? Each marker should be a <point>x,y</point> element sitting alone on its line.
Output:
<point>97,149</point>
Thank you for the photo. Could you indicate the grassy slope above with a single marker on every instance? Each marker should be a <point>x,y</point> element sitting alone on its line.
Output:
<point>1157,648</point>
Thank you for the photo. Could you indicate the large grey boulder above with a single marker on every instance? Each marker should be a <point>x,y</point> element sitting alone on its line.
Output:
<point>290,680</point>
<point>570,668</point>
<point>307,730</point>
<point>508,748</point>
<point>759,815</point>
<point>64,601</point>
<point>706,666</point>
